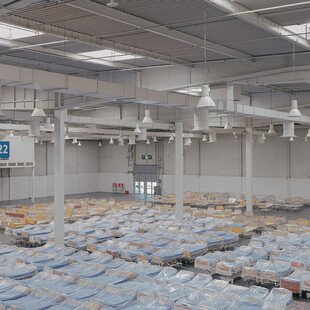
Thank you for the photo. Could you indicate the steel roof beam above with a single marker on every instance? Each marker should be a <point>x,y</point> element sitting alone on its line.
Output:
<point>90,39</point>
<point>264,23</point>
<point>146,25</point>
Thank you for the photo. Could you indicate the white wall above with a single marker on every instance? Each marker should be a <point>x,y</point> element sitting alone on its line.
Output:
<point>280,167</point>
<point>82,172</point>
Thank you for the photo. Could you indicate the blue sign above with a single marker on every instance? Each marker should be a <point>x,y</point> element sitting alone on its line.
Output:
<point>4,150</point>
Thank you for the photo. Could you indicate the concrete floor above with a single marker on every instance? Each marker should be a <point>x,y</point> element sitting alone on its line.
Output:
<point>298,304</point>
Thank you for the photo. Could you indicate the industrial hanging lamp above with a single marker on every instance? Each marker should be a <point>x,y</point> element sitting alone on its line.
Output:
<point>147,117</point>
<point>38,112</point>
<point>148,141</point>
<point>228,125</point>
<point>11,134</point>
<point>74,141</point>
<point>205,101</point>
<point>187,142</point>
<point>80,144</point>
<point>137,130</point>
<point>271,130</point>
<point>294,112</point>
<point>99,144</point>
<point>154,139</point>
<point>204,138</point>
<point>111,142</point>
<point>66,133</point>
<point>41,142</point>
<point>291,139</point>
<point>36,140</point>
<point>171,138</point>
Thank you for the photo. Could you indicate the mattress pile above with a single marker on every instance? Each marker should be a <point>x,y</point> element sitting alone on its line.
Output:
<point>97,280</point>
<point>297,282</point>
<point>230,263</point>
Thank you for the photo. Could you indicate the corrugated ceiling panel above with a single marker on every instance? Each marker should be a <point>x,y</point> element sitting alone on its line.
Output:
<point>167,12</point>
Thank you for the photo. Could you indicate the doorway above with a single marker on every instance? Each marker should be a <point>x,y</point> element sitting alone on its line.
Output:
<point>145,179</point>
<point>144,187</point>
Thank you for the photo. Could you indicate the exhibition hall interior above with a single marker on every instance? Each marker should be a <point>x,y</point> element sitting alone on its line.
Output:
<point>154,154</point>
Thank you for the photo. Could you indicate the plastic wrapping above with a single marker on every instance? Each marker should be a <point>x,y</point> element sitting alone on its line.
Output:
<point>200,280</point>
<point>279,297</point>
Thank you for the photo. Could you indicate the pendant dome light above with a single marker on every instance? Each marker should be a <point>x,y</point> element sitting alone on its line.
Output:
<point>41,142</point>
<point>38,112</point>
<point>100,144</point>
<point>79,144</point>
<point>147,117</point>
<point>137,130</point>
<point>74,141</point>
<point>204,138</point>
<point>235,136</point>
<point>36,140</point>
<point>212,137</point>
<point>154,139</point>
<point>11,134</point>
<point>205,101</point>
<point>148,141</point>
<point>187,142</point>
<point>271,130</point>
<point>291,139</point>
<point>66,133</point>
<point>228,125</point>
<point>294,112</point>
<point>111,142</point>
<point>171,138</point>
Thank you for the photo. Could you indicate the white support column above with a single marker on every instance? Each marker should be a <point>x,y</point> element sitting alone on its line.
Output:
<point>32,184</point>
<point>248,171</point>
<point>179,189</point>
<point>59,177</point>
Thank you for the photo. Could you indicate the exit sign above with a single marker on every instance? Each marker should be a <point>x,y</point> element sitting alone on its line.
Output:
<point>4,150</point>
<point>146,157</point>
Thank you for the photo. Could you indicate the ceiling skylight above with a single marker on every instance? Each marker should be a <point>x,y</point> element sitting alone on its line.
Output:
<point>302,30</point>
<point>109,55</point>
<point>12,32</point>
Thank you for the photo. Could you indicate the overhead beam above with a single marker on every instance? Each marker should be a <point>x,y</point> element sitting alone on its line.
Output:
<point>15,46</point>
<point>264,23</point>
<point>146,25</point>
<point>82,37</point>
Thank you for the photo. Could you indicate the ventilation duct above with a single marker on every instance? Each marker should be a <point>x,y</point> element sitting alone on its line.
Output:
<point>201,120</point>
